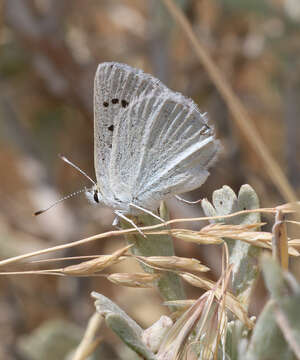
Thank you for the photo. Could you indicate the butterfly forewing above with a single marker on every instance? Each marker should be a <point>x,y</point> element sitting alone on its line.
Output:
<point>116,87</point>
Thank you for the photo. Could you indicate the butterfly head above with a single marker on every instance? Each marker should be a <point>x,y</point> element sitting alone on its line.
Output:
<point>94,195</point>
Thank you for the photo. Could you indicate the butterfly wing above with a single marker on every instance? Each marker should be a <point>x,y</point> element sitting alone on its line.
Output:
<point>116,86</point>
<point>166,149</point>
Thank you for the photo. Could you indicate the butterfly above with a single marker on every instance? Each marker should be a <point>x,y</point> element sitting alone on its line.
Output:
<point>150,143</point>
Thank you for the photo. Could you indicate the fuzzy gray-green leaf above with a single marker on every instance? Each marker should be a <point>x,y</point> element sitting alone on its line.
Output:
<point>243,256</point>
<point>285,291</point>
<point>267,341</point>
<point>120,326</point>
<point>107,307</point>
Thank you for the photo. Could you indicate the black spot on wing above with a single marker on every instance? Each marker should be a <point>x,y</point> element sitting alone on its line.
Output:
<point>115,101</point>
<point>105,104</point>
<point>111,128</point>
<point>124,103</point>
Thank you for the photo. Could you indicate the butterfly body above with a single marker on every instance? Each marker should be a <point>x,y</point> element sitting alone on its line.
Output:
<point>124,204</point>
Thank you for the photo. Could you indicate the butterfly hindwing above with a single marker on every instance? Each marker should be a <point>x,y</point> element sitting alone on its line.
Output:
<point>166,148</point>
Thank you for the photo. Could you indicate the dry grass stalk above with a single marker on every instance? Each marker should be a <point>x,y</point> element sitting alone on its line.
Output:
<point>180,303</point>
<point>286,208</point>
<point>231,302</point>
<point>174,263</point>
<point>294,243</point>
<point>290,207</point>
<point>85,268</point>
<point>89,341</point>
<point>292,222</point>
<point>194,236</point>
<point>199,331</point>
<point>176,344</point>
<point>136,280</point>
<point>214,234</point>
<point>280,243</point>
<point>95,265</point>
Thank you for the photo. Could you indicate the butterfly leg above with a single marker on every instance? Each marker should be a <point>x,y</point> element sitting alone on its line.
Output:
<point>116,222</point>
<point>147,212</point>
<point>122,216</point>
<point>187,201</point>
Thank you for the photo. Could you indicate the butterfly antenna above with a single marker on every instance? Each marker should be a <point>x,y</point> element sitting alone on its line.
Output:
<point>76,167</point>
<point>58,201</point>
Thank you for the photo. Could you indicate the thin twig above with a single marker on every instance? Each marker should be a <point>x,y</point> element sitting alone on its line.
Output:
<point>88,340</point>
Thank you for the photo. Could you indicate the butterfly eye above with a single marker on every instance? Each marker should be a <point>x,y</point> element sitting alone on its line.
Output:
<point>96,196</point>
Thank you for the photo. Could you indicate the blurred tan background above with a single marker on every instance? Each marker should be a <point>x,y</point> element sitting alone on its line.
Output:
<point>49,51</point>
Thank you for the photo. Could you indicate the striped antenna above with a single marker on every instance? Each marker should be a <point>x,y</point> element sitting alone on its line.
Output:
<point>58,201</point>
<point>70,195</point>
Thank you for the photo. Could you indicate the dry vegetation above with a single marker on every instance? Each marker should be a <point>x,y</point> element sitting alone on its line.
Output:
<point>238,60</point>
